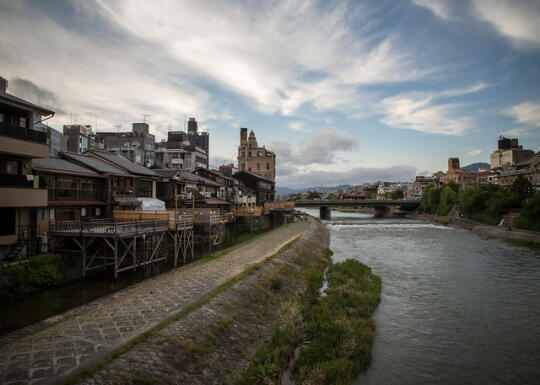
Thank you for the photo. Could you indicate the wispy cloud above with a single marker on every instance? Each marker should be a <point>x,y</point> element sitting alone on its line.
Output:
<point>475,151</point>
<point>526,113</point>
<point>418,112</point>
<point>265,54</point>
<point>518,20</point>
<point>440,8</point>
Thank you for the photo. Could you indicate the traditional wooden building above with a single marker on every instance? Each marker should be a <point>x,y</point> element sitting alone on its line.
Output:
<point>264,188</point>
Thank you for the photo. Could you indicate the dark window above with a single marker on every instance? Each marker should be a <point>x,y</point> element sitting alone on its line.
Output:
<point>7,224</point>
<point>258,166</point>
<point>267,166</point>
<point>22,122</point>
<point>144,188</point>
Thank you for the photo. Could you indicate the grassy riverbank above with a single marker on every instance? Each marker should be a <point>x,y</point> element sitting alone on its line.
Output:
<point>337,329</point>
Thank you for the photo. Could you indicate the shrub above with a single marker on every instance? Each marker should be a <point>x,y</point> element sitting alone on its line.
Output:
<point>41,271</point>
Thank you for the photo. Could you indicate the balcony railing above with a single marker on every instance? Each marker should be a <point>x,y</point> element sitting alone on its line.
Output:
<point>22,133</point>
<point>74,194</point>
<point>13,180</point>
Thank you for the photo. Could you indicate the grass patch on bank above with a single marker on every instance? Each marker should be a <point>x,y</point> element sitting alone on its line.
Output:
<point>440,221</point>
<point>338,328</point>
<point>523,242</point>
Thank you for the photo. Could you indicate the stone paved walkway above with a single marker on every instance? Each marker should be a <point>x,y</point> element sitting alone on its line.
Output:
<point>66,343</point>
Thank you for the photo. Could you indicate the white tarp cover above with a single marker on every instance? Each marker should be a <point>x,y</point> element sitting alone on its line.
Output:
<point>151,204</point>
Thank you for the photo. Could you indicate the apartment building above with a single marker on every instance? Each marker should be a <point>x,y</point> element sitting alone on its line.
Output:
<point>20,195</point>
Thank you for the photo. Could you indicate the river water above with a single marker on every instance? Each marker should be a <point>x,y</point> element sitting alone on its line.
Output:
<point>455,308</point>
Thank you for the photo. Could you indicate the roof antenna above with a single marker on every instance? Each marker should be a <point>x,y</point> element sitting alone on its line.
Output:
<point>144,116</point>
<point>118,128</point>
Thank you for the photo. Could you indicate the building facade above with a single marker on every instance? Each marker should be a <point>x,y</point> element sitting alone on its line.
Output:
<point>509,153</point>
<point>138,146</point>
<point>255,159</point>
<point>20,193</point>
<point>457,175</point>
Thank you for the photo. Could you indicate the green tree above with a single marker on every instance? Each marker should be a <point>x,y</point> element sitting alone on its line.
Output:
<point>396,194</point>
<point>430,199</point>
<point>529,217</point>
<point>523,187</point>
<point>313,195</point>
<point>448,199</point>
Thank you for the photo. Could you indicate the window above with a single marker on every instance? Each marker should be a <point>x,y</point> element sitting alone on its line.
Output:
<point>144,188</point>
<point>249,169</point>
<point>9,166</point>
<point>259,153</point>
<point>1,118</point>
<point>267,166</point>
<point>83,212</point>
<point>22,122</point>
<point>7,224</point>
<point>258,166</point>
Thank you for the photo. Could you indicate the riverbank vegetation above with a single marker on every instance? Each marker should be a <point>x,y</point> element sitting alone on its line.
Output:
<point>337,330</point>
<point>39,272</point>
<point>486,203</point>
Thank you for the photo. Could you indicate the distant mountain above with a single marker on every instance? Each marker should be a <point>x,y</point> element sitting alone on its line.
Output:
<point>287,190</point>
<point>475,166</point>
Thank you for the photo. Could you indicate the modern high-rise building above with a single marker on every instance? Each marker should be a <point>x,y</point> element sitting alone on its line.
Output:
<point>255,159</point>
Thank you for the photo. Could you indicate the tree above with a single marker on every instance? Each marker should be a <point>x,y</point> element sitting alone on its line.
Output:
<point>313,195</point>
<point>529,217</point>
<point>396,194</point>
<point>523,187</point>
<point>448,198</point>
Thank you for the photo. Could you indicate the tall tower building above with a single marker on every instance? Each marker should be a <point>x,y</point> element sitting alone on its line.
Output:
<point>255,159</point>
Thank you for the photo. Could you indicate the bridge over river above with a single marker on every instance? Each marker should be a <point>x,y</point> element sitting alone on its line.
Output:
<point>381,207</point>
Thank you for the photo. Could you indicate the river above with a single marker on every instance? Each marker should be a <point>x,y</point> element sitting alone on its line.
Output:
<point>455,308</point>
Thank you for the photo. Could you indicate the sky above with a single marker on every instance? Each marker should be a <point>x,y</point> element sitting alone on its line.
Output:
<point>343,92</point>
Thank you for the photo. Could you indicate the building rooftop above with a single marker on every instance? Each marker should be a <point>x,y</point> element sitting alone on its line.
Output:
<point>531,160</point>
<point>122,162</point>
<point>94,163</point>
<point>24,103</point>
<point>60,165</point>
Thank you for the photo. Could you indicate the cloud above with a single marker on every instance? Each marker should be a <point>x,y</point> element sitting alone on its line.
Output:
<point>517,20</point>
<point>526,113</point>
<point>417,111</point>
<point>28,90</point>
<point>319,149</point>
<point>464,91</point>
<point>280,57</point>
<point>476,151</point>
<point>440,8</point>
<point>297,126</point>
<point>354,176</point>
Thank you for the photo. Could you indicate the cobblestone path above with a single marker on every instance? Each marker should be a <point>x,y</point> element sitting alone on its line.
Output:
<point>59,346</point>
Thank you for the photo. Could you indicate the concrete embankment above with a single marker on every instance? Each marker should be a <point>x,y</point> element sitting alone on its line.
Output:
<point>60,346</point>
<point>215,341</point>
<point>483,229</point>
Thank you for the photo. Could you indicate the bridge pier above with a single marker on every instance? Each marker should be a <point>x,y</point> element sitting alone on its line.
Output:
<point>325,212</point>
<point>381,211</point>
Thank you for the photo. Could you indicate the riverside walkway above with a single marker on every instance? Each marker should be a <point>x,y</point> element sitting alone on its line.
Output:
<point>53,349</point>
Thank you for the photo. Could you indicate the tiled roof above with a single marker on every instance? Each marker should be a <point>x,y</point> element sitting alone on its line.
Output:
<point>94,163</point>
<point>254,175</point>
<point>14,99</point>
<point>166,172</point>
<point>133,168</point>
<point>60,165</point>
